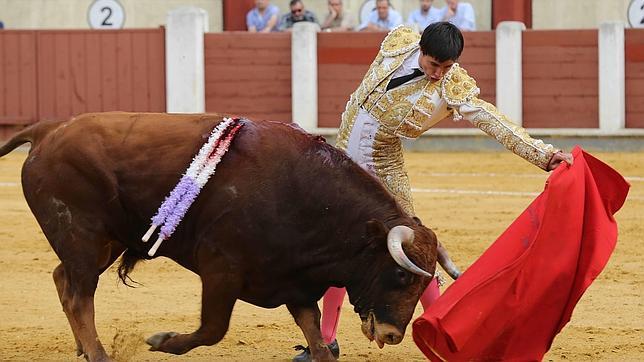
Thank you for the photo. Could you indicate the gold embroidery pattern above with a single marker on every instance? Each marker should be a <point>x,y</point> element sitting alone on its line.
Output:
<point>401,39</point>
<point>511,136</point>
<point>395,106</point>
<point>390,167</point>
<point>458,87</point>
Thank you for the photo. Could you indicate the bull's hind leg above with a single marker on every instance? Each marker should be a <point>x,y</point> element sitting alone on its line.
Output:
<point>221,286</point>
<point>64,294</point>
<point>85,252</point>
<point>76,282</point>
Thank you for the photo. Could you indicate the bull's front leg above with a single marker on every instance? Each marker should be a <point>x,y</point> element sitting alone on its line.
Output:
<point>220,289</point>
<point>307,318</point>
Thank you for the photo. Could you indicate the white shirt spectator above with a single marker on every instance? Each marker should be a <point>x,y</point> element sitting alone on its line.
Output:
<point>464,18</point>
<point>420,21</point>
<point>393,20</point>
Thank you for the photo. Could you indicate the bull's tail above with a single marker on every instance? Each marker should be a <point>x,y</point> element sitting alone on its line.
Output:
<point>129,259</point>
<point>32,134</point>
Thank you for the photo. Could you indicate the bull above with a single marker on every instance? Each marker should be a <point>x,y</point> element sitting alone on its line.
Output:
<point>285,217</point>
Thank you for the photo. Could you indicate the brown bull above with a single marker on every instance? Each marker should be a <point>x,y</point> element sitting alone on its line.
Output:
<point>285,217</point>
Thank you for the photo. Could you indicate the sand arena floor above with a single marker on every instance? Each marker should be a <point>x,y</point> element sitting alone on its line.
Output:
<point>467,198</point>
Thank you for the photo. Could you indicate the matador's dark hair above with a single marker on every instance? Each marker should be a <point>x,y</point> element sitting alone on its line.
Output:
<point>443,41</point>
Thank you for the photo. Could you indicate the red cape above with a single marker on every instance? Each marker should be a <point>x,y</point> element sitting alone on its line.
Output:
<point>519,294</point>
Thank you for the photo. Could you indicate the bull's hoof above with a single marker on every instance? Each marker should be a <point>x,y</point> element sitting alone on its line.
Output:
<point>158,339</point>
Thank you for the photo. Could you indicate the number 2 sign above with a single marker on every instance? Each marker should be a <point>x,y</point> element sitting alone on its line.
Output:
<point>106,14</point>
<point>636,13</point>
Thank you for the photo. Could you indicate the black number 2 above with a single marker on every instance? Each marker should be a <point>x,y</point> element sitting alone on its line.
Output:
<point>106,21</point>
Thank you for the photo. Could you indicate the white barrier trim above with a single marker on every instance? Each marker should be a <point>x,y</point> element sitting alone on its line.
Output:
<point>304,75</point>
<point>184,54</point>
<point>509,70</point>
<point>612,83</point>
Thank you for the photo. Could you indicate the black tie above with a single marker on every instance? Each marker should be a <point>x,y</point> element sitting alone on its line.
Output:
<point>403,79</point>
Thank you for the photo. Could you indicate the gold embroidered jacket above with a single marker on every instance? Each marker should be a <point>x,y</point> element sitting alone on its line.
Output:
<point>411,109</point>
<point>414,107</point>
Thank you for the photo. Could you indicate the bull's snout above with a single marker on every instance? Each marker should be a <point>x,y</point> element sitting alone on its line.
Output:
<point>387,334</point>
<point>392,338</point>
<point>382,333</point>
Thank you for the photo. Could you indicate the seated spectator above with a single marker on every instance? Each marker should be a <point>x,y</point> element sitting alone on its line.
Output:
<point>427,14</point>
<point>383,18</point>
<point>263,17</point>
<point>298,13</point>
<point>337,19</point>
<point>459,14</point>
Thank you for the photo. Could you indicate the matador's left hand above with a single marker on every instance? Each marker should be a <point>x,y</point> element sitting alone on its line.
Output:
<point>558,158</point>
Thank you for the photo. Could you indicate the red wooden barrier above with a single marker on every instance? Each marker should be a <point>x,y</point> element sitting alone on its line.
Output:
<point>18,83</point>
<point>235,13</point>
<point>512,10</point>
<point>88,71</point>
<point>560,79</point>
<point>58,74</point>
<point>343,60</point>
<point>634,49</point>
<point>249,74</point>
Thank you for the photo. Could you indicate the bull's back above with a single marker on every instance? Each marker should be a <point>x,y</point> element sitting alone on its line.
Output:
<point>126,163</point>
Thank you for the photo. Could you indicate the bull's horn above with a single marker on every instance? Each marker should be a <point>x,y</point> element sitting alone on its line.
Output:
<point>396,237</point>
<point>446,262</point>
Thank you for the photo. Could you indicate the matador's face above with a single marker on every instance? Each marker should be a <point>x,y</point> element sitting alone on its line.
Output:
<point>434,70</point>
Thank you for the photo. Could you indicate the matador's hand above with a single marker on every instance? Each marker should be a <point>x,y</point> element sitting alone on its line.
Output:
<point>558,158</point>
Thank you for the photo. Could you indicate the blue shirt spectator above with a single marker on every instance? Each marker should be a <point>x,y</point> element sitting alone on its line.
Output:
<point>427,14</point>
<point>383,18</point>
<point>459,14</point>
<point>263,17</point>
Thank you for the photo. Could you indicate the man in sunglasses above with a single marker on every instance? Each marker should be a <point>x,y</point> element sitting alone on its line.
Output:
<point>298,13</point>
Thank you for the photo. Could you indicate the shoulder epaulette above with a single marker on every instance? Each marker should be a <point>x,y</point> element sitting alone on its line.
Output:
<point>458,87</point>
<point>401,39</point>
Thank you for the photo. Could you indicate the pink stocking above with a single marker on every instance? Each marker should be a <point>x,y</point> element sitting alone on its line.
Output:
<point>331,305</point>
<point>430,295</point>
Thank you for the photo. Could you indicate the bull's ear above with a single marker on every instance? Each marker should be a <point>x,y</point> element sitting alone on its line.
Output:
<point>417,220</point>
<point>377,232</point>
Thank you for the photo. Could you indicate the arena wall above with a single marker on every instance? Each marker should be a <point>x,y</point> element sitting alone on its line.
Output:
<point>560,79</point>
<point>249,74</point>
<point>57,74</point>
<point>634,54</point>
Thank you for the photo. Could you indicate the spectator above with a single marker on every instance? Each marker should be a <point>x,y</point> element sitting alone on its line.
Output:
<point>459,14</point>
<point>337,19</point>
<point>383,18</point>
<point>1,25</point>
<point>263,17</point>
<point>427,14</point>
<point>298,13</point>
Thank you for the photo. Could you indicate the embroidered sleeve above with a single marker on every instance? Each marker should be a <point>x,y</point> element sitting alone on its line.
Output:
<point>460,92</point>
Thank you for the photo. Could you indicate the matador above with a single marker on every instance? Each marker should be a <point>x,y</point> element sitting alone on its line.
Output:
<point>413,84</point>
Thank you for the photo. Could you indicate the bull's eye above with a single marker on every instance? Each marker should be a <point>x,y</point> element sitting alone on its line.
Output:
<point>403,277</point>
